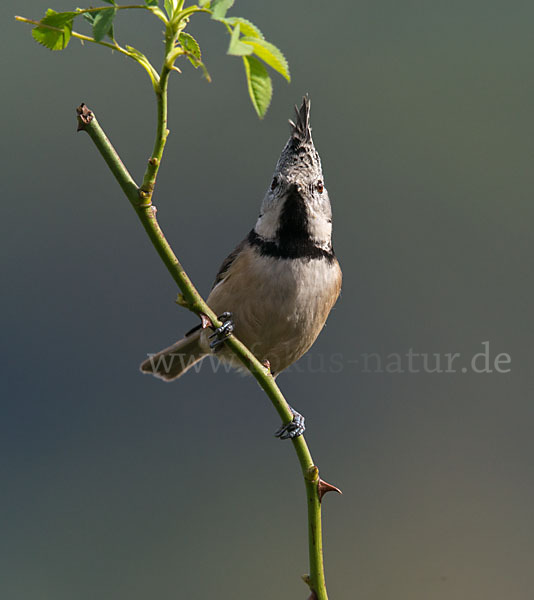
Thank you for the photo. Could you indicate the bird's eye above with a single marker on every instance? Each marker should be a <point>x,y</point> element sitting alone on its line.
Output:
<point>320,186</point>
<point>274,183</point>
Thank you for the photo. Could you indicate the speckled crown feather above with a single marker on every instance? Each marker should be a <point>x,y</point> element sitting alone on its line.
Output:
<point>299,153</point>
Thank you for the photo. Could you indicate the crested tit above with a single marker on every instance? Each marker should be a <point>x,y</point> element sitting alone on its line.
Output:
<point>281,281</point>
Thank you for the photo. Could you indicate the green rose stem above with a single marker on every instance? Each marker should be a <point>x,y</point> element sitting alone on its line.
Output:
<point>140,198</point>
<point>191,299</point>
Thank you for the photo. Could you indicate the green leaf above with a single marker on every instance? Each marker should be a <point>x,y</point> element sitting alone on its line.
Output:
<point>190,45</point>
<point>270,54</point>
<point>89,17</point>
<point>170,7</point>
<point>236,47</point>
<point>156,10</point>
<point>110,1</point>
<point>52,38</point>
<point>192,51</point>
<point>260,86</point>
<point>219,8</point>
<point>247,28</point>
<point>145,63</point>
<point>151,2</point>
<point>103,23</point>
<point>204,3</point>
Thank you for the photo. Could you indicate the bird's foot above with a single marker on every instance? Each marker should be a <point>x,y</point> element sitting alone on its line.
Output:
<point>293,429</point>
<point>221,333</point>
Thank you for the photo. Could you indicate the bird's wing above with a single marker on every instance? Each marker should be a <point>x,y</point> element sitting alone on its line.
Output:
<point>227,262</point>
<point>223,271</point>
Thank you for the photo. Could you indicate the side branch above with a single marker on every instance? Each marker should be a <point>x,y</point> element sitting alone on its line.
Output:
<point>149,180</point>
<point>140,199</point>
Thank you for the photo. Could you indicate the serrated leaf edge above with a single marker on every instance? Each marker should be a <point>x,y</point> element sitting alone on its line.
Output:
<point>247,62</point>
<point>279,64</point>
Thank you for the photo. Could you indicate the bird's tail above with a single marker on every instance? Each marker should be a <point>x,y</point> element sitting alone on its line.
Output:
<point>174,361</point>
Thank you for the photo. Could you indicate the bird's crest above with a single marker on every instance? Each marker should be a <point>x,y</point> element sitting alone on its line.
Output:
<point>300,129</point>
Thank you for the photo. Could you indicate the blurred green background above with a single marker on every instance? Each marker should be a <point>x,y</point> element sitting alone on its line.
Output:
<point>115,485</point>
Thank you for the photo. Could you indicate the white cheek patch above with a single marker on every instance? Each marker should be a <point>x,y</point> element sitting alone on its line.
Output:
<point>320,228</point>
<point>267,225</point>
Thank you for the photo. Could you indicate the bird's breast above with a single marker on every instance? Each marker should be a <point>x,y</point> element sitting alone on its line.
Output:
<point>279,306</point>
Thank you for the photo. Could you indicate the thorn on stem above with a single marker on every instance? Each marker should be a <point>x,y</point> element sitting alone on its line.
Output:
<point>323,487</point>
<point>205,321</point>
<point>85,116</point>
<point>153,161</point>
<point>266,364</point>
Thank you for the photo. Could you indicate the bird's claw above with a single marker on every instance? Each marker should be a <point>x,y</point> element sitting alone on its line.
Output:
<point>221,333</point>
<point>293,429</point>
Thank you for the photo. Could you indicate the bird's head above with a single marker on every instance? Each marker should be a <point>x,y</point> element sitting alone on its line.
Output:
<point>296,205</point>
